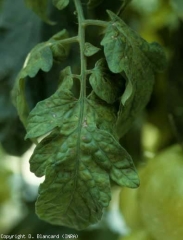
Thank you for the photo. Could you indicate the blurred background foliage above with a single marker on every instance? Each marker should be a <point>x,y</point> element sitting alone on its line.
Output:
<point>158,127</point>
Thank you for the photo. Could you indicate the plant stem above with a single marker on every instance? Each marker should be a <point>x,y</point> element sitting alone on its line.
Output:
<point>81,38</point>
<point>91,22</point>
<point>69,40</point>
<point>82,98</point>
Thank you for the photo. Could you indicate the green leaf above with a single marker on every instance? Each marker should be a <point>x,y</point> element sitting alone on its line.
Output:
<point>74,193</point>
<point>40,58</point>
<point>122,44</point>
<point>60,4</point>
<point>43,153</point>
<point>105,114</point>
<point>40,8</point>
<point>79,156</point>
<point>94,3</point>
<point>107,86</point>
<point>19,99</point>
<point>90,50</point>
<point>60,51</point>
<point>55,111</point>
<point>127,53</point>
<point>42,55</point>
<point>77,187</point>
<point>156,55</point>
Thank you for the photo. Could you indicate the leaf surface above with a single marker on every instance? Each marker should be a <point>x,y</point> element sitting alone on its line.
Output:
<point>79,157</point>
<point>55,111</point>
<point>122,44</point>
<point>90,50</point>
<point>40,58</point>
<point>77,181</point>
<point>107,86</point>
<point>127,53</point>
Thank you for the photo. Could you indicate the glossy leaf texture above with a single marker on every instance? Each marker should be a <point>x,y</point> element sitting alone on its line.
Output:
<point>137,60</point>
<point>40,58</point>
<point>78,157</point>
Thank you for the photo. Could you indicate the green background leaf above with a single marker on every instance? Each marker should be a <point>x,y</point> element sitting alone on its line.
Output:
<point>178,7</point>
<point>40,8</point>
<point>60,4</point>
<point>77,174</point>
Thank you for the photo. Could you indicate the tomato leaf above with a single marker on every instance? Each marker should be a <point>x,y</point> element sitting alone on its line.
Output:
<point>55,111</point>
<point>90,50</point>
<point>127,53</point>
<point>107,86</point>
<point>74,193</point>
<point>78,157</point>
<point>122,45</point>
<point>59,50</point>
<point>40,58</point>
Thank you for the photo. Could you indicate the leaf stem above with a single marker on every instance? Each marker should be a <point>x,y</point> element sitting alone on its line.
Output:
<point>69,40</point>
<point>82,98</point>
<point>81,38</point>
<point>91,22</point>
